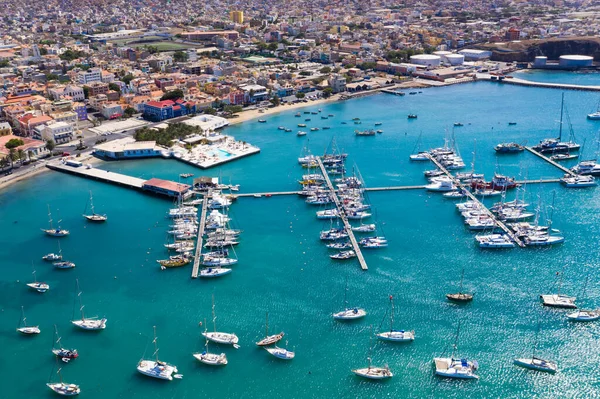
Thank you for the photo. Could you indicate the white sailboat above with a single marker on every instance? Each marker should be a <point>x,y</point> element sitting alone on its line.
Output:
<point>212,359</point>
<point>55,232</point>
<point>269,339</point>
<point>452,367</point>
<point>23,328</point>
<point>373,372</point>
<point>88,323</point>
<point>396,335</point>
<point>94,217</point>
<point>349,313</point>
<point>156,368</point>
<point>220,337</point>
<point>60,352</point>
<point>52,257</point>
<point>584,314</point>
<point>38,286</point>
<point>534,362</point>
<point>559,300</point>
<point>281,353</point>
<point>62,388</point>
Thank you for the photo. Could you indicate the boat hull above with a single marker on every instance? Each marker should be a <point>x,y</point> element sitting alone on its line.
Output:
<point>270,339</point>
<point>350,314</point>
<point>221,338</point>
<point>211,359</point>
<point>374,373</point>
<point>90,324</point>
<point>397,336</point>
<point>64,389</point>
<point>536,364</point>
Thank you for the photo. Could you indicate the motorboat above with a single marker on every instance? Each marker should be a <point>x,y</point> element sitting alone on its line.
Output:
<point>455,368</point>
<point>412,116</point>
<point>578,181</point>
<point>509,148</point>
<point>443,185</point>
<point>87,323</point>
<point>420,157</point>
<point>433,173</point>
<point>328,214</point>
<point>281,353</point>
<point>301,133</point>
<point>64,264</point>
<point>343,255</point>
<point>23,328</point>
<point>212,272</point>
<point>589,167</point>
<point>364,228</point>
<point>455,194</point>
<point>156,368</point>
<point>494,241</point>
<point>537,364</point>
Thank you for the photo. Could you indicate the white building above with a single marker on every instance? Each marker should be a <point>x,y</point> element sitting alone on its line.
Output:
<point>89,76</point>
<point>207,122</point>
<point>337,83</point>
<point>59,132</point>
<point>111,110</point>
<point>75,92</point>
<point>127,147</point>
<point>255,93</point>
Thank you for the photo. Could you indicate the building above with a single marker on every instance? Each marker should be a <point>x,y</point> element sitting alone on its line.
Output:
<point>59,132</point>
<point>236,16</point>
<point>75,92</point>
<point>33,148</point>
<point>89,76</point>
<point>126,148</point>
<point>161,110</point>
<point>96,88</point>
<point>475,55</point>
<point>69,117</point>
<point>165,187</point>
<point>512,34</point>
<point>207,122</point>
<point>337,83</point>
<point>111,110</point>
<point>237,97</point>
<point>199,36</point>
<point>254,93</point>
<point>29,121</point>
<point>5,129</point>
<point>81,110</point>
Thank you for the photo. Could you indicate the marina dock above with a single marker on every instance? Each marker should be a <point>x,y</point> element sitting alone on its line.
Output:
<point>99,174</point>
<point>498,223</point>
<point>201,226</point>
<point>551,162</point>
<point>355,246</point>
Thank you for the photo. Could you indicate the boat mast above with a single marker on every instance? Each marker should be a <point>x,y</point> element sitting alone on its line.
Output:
<point>455,346</point>
<point>346,294</point>
<point>535,342</point>
<point>462,276</point>
<point>23,319</point>
<point>213,313</point>
<point>80,304</point>
<point>49,217</point>
<point>392,314</point>
<point>205,337</point>
<point>92,203</point>
<point>267,326</point>
<point>551,212</point>
<point>155,342</point>
<point>370,345</point>
<point>562,102</point>
<point>57,338</point>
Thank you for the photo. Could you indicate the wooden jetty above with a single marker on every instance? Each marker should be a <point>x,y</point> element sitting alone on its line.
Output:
<point>355,246</point>
<point>201,226</point>
<point>483,207</point>
<point>551,162</point>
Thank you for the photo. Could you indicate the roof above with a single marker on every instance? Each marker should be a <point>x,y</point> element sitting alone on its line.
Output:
<point>28,143</point>
<point>160,104</point>
<point>166,185</point>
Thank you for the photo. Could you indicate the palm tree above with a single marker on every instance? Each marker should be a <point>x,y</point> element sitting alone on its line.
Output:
<point>3,162</point>
<point>29,155</point>
<point>12,154</point>
<point>21,155</point>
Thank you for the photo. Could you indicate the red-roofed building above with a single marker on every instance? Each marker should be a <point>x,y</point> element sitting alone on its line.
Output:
<point>166,187</point>
<point>29,121</point>
<point>36,148</point>
<point>161,110</point>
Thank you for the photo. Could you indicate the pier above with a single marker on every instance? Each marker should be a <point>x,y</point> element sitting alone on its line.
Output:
<point>551,162</point>
<point>355,246</point>
<point>523,82</point>
<point>199,239</point>
<point>99,174</point>
<point>473,198</point>
<point>394,92</point>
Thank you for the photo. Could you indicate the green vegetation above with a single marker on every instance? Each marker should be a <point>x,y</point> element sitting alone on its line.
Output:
<point>304,73</point>
<point>180,56</point>
<point>367,65</point>
<point>86,92</point>
<point>71,55</point>
<point>50,145</point>
<point>127,79</point>
<point>275,101</point>
<point>401,55</point>
<point>172,95</point>
<point>210,111</point>
<point>114,87</point>
<point>300,95</point>
<point>233,109</point>
<point>14,143</point>
<point>176,131</point>
<point>327,92</point>
<point>129,111</point>
<point>325,69</point>
<point>4,63</point>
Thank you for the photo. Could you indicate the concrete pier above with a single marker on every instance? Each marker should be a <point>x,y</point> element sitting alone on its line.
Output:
<point>201,226</point>
<point>551,162</point>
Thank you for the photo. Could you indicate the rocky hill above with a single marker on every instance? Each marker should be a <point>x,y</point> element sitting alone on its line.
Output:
<point>527,50</point>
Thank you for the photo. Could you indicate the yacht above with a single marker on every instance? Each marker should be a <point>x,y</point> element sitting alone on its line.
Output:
<point>333,235</point>
<point>55,232</point>
<point>61,352</point>
<point>442,184</point>
<point>87,324</point>
<point>211,359</point>
<point>460,297</point>
<point>364,228</point>
<point>269,339</point>
<point>486,193</point>
<point>542,239</point>
<point>564,157</point>
<point>281,353</point>
<point>94,217</point>
<point>452,367</point>
<point>339,245</point>
<point>156,368</point>
<point>372,372</point>
<point>584,315</point>
<point>62,388</point>
<point>578,181</point>
<point>589,167</point>
<point>354,215</point>
<point>328,214</point>
<point>64,264</point>
<point>536,363</point>
<point>494,241</point>
<point>559,301</point>
<point>23,328</point>
<point>420,157</point>
<point>555,146</point>
<point>498,183</point>
<point>220,337</point>
<point>349,313</point>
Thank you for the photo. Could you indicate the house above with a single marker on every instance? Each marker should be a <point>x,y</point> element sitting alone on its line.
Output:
<point>161,110</point>
<point>111,110</point>
<point>29,121</point>
<point>59,132</point>
<point>33,148</point>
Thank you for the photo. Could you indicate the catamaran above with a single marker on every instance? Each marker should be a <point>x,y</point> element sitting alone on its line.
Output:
<point>87,324</point>
<point>372,372</point>
<point>269,339</point>
<point>55,232</point>
<point>24,329</point>
<point>453,367</point>
<point>156,368</point>
<point>212,359</point>
<point>220,337</point>
<point>396,335</point>
<point>349,313</point>
<point>94,217</point>
<point>62,388</point>
<point>61,352</point>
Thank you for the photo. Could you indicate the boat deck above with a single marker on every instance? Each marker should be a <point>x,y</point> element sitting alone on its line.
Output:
<point>199,243</point>
<point>498,223</point>
<point>551,162</point>
<point>355,246</point>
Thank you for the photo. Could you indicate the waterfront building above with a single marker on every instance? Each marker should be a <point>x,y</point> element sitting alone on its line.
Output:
<point>35,148</point>
<point>337,83</point>
<point>111,110</point>
<point>29,121</point>
<point>162,110</point>
<point>475,55</point>
<point>59,132</point>
<point>207,122</point>
<point>127,148</point>
<point>166,187</point>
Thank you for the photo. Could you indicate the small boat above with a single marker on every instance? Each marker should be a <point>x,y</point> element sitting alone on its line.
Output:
<point>307,120</point>
<point>343,255</point>
<point>494,241</point>
<point>262,121</point>
<point>512,123</point>
<point>185,175</point>
<point>297,115</point>
<point>212,272</point>
<point>87,324</point>
<point>281,128</point>
<point>379,131</point>
<point>64,265</point>
<point>287,130</point>
<point>412,116</point>
<point>156,368</point>
<point>37,286</point>
<point>94,217</point>
<point>211,359</point>
<point>452,367</point>
<point>301,124</point>
<point>55,232</point>
<point>62,388</point>
<point>364,228</point>
<point>339,245</point>
<point>460,297</point>
<point>455,194</point>
<point>23,328</point>
<point>584,315</point>
<point>458,124</point>
<point>281,353</point>
<point>326,127</point>
<point>314,129</point>
<point>269,339</point>
<point>220,337</point>
<point>396,335</point>
<point>371,372</point>
<point>61,352</point>
<point>349,313</point>
<point>378,123</point>
<point>364,132</point>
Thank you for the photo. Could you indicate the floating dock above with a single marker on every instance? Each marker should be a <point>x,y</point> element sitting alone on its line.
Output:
<point>473,198</point>
<point>551,162</point>
<point>355,246</point>
<point>201,226</point>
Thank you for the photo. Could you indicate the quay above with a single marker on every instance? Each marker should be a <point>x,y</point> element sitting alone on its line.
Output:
<point>473,198</point>
<point>523,82</point>
<point>355,246</point>
<point>201,226</point>
<point>394,92</point>
<point>551,162</point>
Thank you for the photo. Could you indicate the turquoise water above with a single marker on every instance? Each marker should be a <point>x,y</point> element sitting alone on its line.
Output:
<point>586,78</point>
<point>284,268</point>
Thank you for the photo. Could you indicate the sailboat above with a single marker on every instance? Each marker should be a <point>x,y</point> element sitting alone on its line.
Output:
<point>460,296</point>
<point>52,257</point>
<point>559,300</point>
<point>156,368</point>
<point>372,372</point>
<point>584,315</point>
<point>55,232</point>
<point>453,367</point>
<point>269,339</point>
<point>94,217</point>
<point>595,115</point>
<point>534,362</point>
<point>60,263</point>
<point>396,335</point>
<point>212,359</point>
<point>555,146</point>
<point>25,329</point>
<point>418,155</point>
<point>281,353</point>
<point>61,352</point>
<point>39,287</point>
<point>62,388</point>
<point>85,323</point>
<point>220,337</point>
<point>349,313</point>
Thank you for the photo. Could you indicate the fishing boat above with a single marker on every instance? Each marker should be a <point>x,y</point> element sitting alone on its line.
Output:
<point>578,181</point>
<point>498,182</point>
<point>212,272</point>
<point>453,367</point>
<point>87,323</point>
<point>94,217</point>
<point>349,313</point>
<point>59,351</point>
<point>372,372</point>
<point>301,133</point>
<point>37,286</point>
<point>156,368</point>
<point>55,232</point>
<point>281,353</point>
<point>460,297</point>
<point>63,388</point>
<point>269,339</point>
<point>211,359</point>
<point>343,255</point>
<point>395,335</point>
<point>220,337</point>
<point>555,145</point>
<point>509,148</point>
<point>23,328</point>
<point>534,362</point>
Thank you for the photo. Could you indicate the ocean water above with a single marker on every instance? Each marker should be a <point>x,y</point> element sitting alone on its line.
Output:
<point>284,269</point>
<point>586,78</point>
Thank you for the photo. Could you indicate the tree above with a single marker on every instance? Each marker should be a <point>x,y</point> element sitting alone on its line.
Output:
<point>210,111</point>
<point>21,155</point>
<point>127,79</point>
<point>43,51</point>
<point>12,155</point>
<point>304,73</point>
<point>300,95</point>
<point>29,155</point>
<point>4,63</point>
<point>71,55</point>
<point>233,109</point>
<point>275,101</point>
<point>327,92</point>
<point>114,87</point>
<point>261,46</point>
<point>180,56</point>
<point>172,95</point>
<point>86,92</point>
<point>4,162</point>
<point>272,46</point>
<point>129,111</point>
<point>325,69</point>
<point>14,143</point>
<point>50,145</point>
